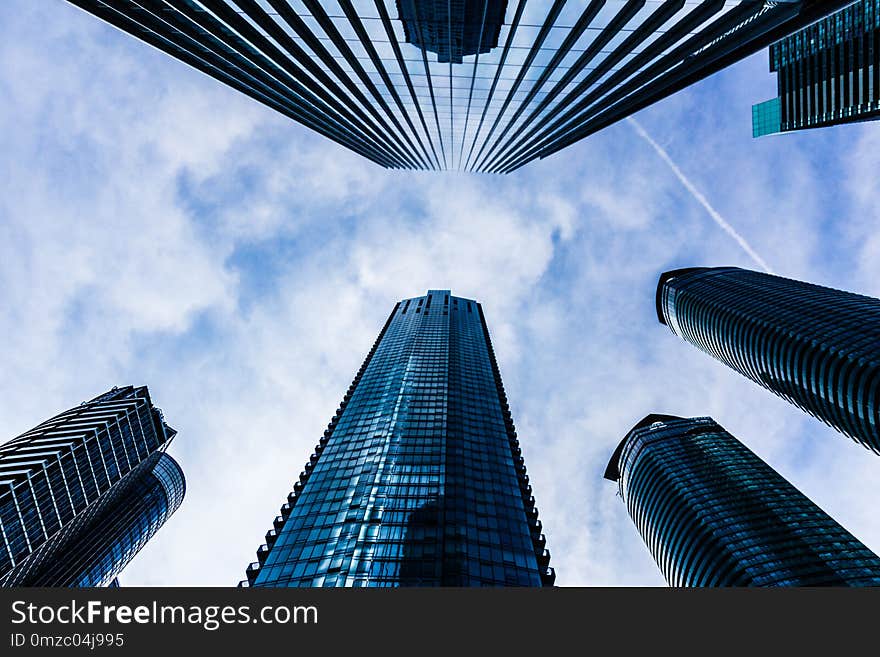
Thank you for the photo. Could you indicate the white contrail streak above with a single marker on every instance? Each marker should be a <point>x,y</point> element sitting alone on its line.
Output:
<point>726,227</point>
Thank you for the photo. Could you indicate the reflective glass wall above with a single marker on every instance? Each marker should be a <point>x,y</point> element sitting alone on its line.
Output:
<point>712,513</point>
<point>816,347</point>
<point>64,484</point>
<point>477,85</point>
<point>419,479</point>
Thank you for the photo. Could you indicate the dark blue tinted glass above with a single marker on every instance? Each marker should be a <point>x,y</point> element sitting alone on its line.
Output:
<point>714,514</point>
<point>478,85</point>
<point>827,73</point>
<point>81,493</point>
<point>816,347</point>
<point>418,480</point>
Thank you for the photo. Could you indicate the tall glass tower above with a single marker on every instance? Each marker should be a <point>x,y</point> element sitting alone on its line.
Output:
<point>512,81</point>
<point>419,479</point>
<point>82,493</point>
<point>814,346</point>
<point>712,513</point>
<point>827,73</point>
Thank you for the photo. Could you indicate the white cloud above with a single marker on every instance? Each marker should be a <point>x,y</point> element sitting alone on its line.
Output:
<point>158,228</point>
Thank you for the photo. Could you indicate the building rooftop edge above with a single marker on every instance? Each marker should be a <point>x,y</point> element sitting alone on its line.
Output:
<point>438,291</point>
<point>665,277</point>
<point>612,470</point>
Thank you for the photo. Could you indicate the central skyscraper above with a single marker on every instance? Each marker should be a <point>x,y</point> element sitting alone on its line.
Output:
<point>419,479</point>
<point>512,81</point>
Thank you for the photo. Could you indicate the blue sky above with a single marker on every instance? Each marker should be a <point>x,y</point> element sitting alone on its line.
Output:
<point>159,228</point>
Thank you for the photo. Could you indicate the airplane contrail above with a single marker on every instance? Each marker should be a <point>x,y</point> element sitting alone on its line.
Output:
<point>726,227</point>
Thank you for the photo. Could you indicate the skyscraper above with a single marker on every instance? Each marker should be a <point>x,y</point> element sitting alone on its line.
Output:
<point>81,493</point>
<point>712,513</point>
<point>419,479</point>
<point>107,535</point>
<point>827,73</point>
<point>360,74</point>
<point>814,346</point>
<point>452,28</point>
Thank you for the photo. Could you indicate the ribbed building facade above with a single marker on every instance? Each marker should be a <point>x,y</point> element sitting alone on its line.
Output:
<point>533,78</point>
<point>81,493</point>
<point>816,347</point>
<point>419,479</point>
<point>712,513</point>
<point>827,73</point>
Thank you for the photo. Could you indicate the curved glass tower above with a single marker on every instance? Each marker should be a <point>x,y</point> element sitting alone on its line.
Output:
<point>95,549</point>
<point>82,492</point>
<point>419,479</point>
<point>714,514</point>
<point>817,347</point>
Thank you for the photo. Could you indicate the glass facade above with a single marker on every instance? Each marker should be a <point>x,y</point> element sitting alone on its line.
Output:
<point>70,510</point>
<point>107,536</point>
<point>452,28</point>
<point>829,72</point>
<point>512,81</point>
<point>419,479</point>
<point>814,346</point>
<point>714,514</point>
<point>767,118</point>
